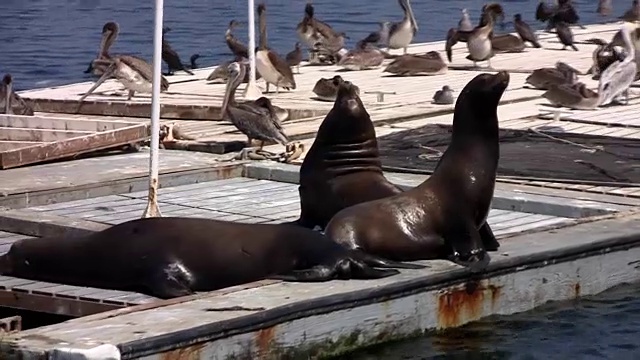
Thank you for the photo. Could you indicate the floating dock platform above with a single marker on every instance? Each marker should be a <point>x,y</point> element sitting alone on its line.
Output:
<point>560,238</point>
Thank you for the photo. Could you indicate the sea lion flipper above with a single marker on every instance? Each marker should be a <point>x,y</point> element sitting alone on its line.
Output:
<point>489,240</point>
<point>467,245</point>
<point>317,273</point>
<point>360,270</point>
<point>379,262</point>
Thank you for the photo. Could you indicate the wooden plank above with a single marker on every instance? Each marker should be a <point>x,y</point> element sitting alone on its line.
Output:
<point>7,145</point>
<point>39,135</point>
<point>57,123</point>
<point>73,146</point>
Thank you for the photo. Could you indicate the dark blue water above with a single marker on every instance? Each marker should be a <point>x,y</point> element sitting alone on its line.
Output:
<point>50,42</point>
<point>600,327</point>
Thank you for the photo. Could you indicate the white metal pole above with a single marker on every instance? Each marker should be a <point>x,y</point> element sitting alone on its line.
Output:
<point>252,91</point>
<point>152,209</point>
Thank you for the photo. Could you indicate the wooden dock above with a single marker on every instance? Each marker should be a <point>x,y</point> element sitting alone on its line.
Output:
<point>559,240</point>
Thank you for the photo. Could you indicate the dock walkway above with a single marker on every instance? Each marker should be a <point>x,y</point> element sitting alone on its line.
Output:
<point>559,240</point>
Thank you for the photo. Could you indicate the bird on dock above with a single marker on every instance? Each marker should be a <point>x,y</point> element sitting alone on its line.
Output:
<point>257,120</point>
<point>134,74</point>
<point>326,89</point>
<point>565,35</point>
<point>444,96</point>
<point>294,58</point>
<point>272,67</point>
<point>311,30</point>
<point>235,45</point>
<point>573,96</point>
<point>507,43</point>
<point>478,42</point>
<point>430,63</point>
<point>171,57</point>
<point>110,32</point>
<point>544,78</point>
<point>524,30</point>
<point>564,11</point>
<point>495,11</point>
<point>616,79</point>
<point>193,59</point>
<point>380,37</point>
<point>602,57</point>
<point>604,7</point>
<point>633,14</point>
<point>10,102</point>
<point>364,56</point>
<point>465,22</point>
<point>220,74</point>
<point>401,33</point>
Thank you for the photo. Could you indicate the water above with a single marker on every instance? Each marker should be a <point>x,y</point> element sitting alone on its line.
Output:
<point>601,327</point>
<point>50,42</point>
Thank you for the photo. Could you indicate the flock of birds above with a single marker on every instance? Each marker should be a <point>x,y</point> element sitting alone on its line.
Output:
<point>614,62</point>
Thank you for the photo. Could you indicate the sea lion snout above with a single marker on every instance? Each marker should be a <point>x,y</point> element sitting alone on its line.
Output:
<point>475,260</point>
<point>348,97</point>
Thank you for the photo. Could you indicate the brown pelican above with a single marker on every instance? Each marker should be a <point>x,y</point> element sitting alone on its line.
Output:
<point>294,58</point>
<point>10,102</point>
<point>110,32</point>
<point>602,57</point>
<point>258,120</point>
<point>430,63</point>
<point>478,41</point>
<point>465,22</point>
<point>235,45</point>
<point>220,74</point>
<point>401,33</point>
<point>543,78</point>
<point>495,11</point>
<point>604,7</point>
<point>365,56</point>
<point>565,35</point>
<point>444,96</point>
<point>507,43</point>
<point>574,96</point>
<point>171,57</point>
<point>380,37</point>
<point>272,67</point>
<point>632,14</point>
<point>616,79</point>
<point>524,30</point>
<point>311,30</point>
<point>327,89</point>
<point>133,73</point>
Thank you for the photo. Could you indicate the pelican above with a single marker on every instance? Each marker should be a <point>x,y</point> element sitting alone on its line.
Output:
<point>543,78</point>
<point>365,56</point>
<point>257,120</point>
<point>478,41</point>
<point>272,67</point>
<point>380,37</point>
<point>294,58</point>
<point>632,14</point>
<point>444,96</point>
<point>524,30</point>
<point>604,7</point>
<point>220,74</point>
<point>10,102</point>
<point>310,29</point>
<point>110,32</point>
<point>465,23</point>
<point>574,96</point>
<point>234,44</point>
<point>430,63</point>
<point>327,89</point>
<point>171,57</point>
<point>616,79</point>
<point>401,33</point>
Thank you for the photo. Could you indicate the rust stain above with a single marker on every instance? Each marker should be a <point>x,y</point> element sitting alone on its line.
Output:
<point>263,340</point>
<point>576,290</point>
<point>192,352</point>
<point>464,303</point>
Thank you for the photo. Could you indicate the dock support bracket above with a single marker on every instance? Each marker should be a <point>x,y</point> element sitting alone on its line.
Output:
<point>11,324</point>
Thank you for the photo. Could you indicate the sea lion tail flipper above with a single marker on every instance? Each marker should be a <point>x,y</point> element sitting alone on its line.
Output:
<point>360,270</point>
<point>379,262</point>
<point>489,240</point>
<point>317,273</point>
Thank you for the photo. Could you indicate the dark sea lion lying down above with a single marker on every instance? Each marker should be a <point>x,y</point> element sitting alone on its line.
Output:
<point>171,256</point>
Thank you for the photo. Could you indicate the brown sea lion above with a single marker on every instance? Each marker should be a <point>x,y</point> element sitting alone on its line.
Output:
<point>342,167</point>
<point>171,256</point>
<point>445,216</point>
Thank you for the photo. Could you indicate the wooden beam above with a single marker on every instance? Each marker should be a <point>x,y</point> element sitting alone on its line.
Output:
<point>53,123</point>
<point>12,145</point>
<point>44,135</point>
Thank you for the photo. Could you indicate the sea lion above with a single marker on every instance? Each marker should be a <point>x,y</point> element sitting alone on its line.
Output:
<point>445,216</point>
<point>171,256</point>
<point>342,167</point>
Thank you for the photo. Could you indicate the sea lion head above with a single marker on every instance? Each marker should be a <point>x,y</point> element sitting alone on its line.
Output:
<point>478,102</point>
